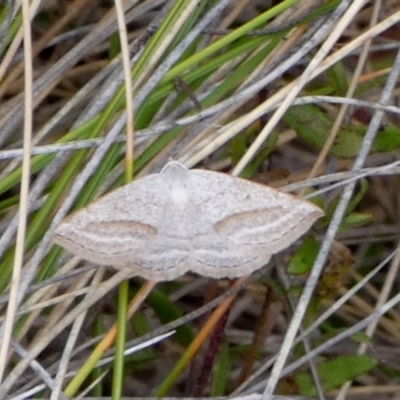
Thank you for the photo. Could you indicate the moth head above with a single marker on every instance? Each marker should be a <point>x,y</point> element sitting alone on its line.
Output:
<point>177,177</point>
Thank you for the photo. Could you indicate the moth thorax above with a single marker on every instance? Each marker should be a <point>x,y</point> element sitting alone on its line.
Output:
<point>179,194</point>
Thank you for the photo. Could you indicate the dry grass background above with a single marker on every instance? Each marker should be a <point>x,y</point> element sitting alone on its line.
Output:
<point>299,94</point>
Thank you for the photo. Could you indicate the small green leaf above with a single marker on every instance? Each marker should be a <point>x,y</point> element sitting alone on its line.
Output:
<point>361,337</point>
<point>348,142</point>
<point>310,123</point>
<point>303,260</point>
<point>363,189</point>
<point>140,324</point>
<point>314,126</point>
<point>335,373</point>
<point>355,220</point>
<point>338,78</point>
<point>387,139</point>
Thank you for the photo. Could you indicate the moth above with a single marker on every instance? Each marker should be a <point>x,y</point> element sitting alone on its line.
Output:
<point>179,220</point>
